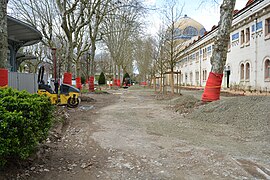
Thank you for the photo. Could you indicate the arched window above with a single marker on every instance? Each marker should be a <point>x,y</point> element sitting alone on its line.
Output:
<point>202,31</point>
<point>267,69</point>
<point>242,72</point>
<point>247,71</point>
<point>190,31</point>
<point>177,33</point>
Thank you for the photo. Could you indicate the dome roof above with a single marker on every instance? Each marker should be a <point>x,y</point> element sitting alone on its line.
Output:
<point>186,28</point>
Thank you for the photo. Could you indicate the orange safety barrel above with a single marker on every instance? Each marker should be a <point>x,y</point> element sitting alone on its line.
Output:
<point>91,83</point>
<point>78,83</point>
<point>212,88</point>
<point>67,78</point>
<point>3,77</point>
<point>118,82</point>
<point>115,82</point>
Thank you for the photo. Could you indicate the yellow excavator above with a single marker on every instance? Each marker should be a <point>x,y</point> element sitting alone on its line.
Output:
<point>69,95</point>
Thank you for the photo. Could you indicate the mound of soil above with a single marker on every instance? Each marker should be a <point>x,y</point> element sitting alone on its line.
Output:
<point>243,112</point>
<point>185,104</point>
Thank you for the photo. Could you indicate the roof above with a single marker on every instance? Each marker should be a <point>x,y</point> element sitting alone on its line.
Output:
<point>21,32</point>
<point>186,21</point>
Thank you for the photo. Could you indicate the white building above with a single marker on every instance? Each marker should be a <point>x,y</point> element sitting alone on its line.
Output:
<point>248,61</point>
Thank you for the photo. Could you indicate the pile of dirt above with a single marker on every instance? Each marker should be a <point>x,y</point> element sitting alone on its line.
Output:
<point>243,112</point>
<point>185,104</point>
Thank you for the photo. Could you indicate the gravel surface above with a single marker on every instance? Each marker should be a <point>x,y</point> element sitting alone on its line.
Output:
<point>137,134</point>
<point>244,112</point>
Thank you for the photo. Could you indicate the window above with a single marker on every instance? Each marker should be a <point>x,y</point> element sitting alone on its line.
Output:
<point>242,37</point>
<point>258,26</point>
<point>190,58</point>
<point>267,69</point>
<point>267,27</point>
<point>190,31</point>
<point>191,78</point>
<point>242,71</point>
<point>177,33</point>
<point>202,31</point>
<point>235,37</point>
<point>197,56</point>
<point>197,75</point>
<point>247,71</point>
<point>204,53</point>
<point>247,35</point>
<point>209,50</point>
<point>204,75</point>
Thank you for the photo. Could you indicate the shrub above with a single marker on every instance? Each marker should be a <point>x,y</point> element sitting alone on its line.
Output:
<point>25,120</point>
<point>83,80</point>
<point>126,78</point>
<point>101,79</point>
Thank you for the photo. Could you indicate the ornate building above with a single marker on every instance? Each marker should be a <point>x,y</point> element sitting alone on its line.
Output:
<point>248,61</point>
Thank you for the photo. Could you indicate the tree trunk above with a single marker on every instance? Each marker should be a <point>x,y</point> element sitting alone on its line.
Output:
<point>155,84</point>
<point>172,82</point>
<point>78,68</point>
<point>118,74</point>
<point>3,33</point>
<point>92,59</point>
<point>70,56</point>
<point>218,59</point>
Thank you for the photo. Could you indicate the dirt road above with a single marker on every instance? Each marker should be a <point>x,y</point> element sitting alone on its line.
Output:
<point>129,134</point>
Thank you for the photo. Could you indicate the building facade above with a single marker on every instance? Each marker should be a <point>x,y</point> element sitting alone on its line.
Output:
<point>248,61</point>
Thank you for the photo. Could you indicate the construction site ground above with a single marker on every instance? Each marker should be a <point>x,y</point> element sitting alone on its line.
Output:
<point>136,133</point>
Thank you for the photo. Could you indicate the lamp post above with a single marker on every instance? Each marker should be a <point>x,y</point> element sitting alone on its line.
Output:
<point>56,84</point>
<point>54,63</point>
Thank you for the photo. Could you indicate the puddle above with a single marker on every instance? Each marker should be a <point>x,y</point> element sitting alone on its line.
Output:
<point>86,108</point>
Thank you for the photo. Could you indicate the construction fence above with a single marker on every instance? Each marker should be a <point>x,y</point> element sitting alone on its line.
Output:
<point>23,81</point>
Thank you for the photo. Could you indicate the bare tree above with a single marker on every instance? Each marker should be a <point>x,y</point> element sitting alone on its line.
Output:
<point>71,22</point>
<point>97,11</point>
<point>103,62</point>
<point>218,59</point>
<point>158,65</point>
<point>172,15</point>
<point>120,26</point>
<point>144,57</point>
<point>160,59</point>
<point>3,33</point>
<point>43,15</point>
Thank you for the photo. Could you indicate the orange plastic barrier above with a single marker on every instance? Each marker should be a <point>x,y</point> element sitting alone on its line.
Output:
<point>91,83</point>
<point>3,77</point>
<point>143,83</point>
<point>67,78</point>
<point>118,82</point>
<point>115,82</point>
<point>78,83</point>
<point>212,88</point>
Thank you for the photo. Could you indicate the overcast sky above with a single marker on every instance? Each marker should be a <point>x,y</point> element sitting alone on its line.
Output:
<point>205,12</point>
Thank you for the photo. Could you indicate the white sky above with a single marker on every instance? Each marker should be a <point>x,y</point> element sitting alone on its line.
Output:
<point>207,13</point>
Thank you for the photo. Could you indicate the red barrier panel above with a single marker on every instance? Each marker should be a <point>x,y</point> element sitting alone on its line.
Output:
<point>115,82</point>
<point>212,88</point>
<point>78,83</point>
<point>3,77</point>
<point>91,83</point>
<point>67,78</point>
<point>143,83</point>
<point>118,82</point>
